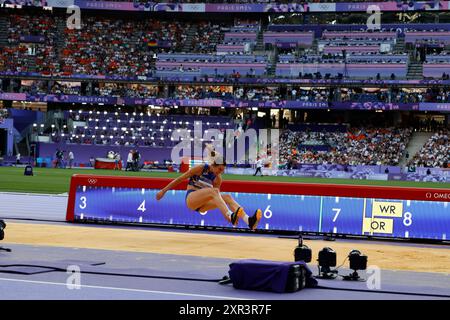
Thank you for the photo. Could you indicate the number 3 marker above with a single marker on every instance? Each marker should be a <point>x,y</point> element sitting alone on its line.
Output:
<point>83,203</point>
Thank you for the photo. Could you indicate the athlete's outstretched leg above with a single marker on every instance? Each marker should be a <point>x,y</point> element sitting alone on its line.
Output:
<point>252,221</point>
<point>231,203</point>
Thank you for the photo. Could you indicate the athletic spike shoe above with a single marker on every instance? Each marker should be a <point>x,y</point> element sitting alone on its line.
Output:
<point>236,215</point>
<point>254,219</point>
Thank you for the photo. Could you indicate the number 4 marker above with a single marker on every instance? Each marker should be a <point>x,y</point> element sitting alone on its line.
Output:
<point>142,207</point>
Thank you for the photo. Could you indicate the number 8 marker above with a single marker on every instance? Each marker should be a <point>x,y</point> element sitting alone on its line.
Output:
<point>407,221</point>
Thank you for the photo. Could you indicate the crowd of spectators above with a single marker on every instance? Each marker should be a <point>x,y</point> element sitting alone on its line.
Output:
<point>208,36</point>
<point>126,90</point>
<point>37,55</point>
<point>124,52</point>
<point>131,46</point>
<point>435,153</point>
<point>258,94</point>
<point>70,88</point>
<point>200,92</point>
<point>34,87</point>
<point>126,49</point>
<point>310,95</point>
<point>376,146</point>
<point>396,96</point>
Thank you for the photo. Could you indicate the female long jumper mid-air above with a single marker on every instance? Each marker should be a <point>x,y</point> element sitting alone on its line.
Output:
<point>203,192</point>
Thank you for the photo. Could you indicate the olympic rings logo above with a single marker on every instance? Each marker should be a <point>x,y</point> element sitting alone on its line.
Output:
<point>92,181</point>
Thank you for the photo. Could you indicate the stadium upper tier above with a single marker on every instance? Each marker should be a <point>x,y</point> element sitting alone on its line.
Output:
<point>142,2</point>
<point>246,6</point>
<point>42,44</point>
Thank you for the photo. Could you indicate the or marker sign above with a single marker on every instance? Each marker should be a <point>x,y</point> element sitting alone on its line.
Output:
<point>378,225</point>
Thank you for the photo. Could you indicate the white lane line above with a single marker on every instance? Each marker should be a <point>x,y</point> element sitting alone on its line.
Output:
<point>126,289</point>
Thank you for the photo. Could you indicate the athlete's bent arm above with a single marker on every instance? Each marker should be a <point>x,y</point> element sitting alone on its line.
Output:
<point>192,172</point>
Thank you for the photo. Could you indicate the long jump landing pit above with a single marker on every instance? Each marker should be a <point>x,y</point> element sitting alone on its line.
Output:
<point>397,256</point>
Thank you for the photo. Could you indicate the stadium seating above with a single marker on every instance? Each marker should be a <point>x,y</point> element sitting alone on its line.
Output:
<point>103,128</point>
<point>357,146</point>
<point>167,48</point>
<point>435,153</point>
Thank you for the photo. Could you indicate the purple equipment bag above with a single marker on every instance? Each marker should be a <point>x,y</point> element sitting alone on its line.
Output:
<point>272,276</point>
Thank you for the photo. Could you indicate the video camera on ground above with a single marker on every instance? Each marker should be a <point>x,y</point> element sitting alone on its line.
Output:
<point>2,235</point>
<point>2,227</point>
